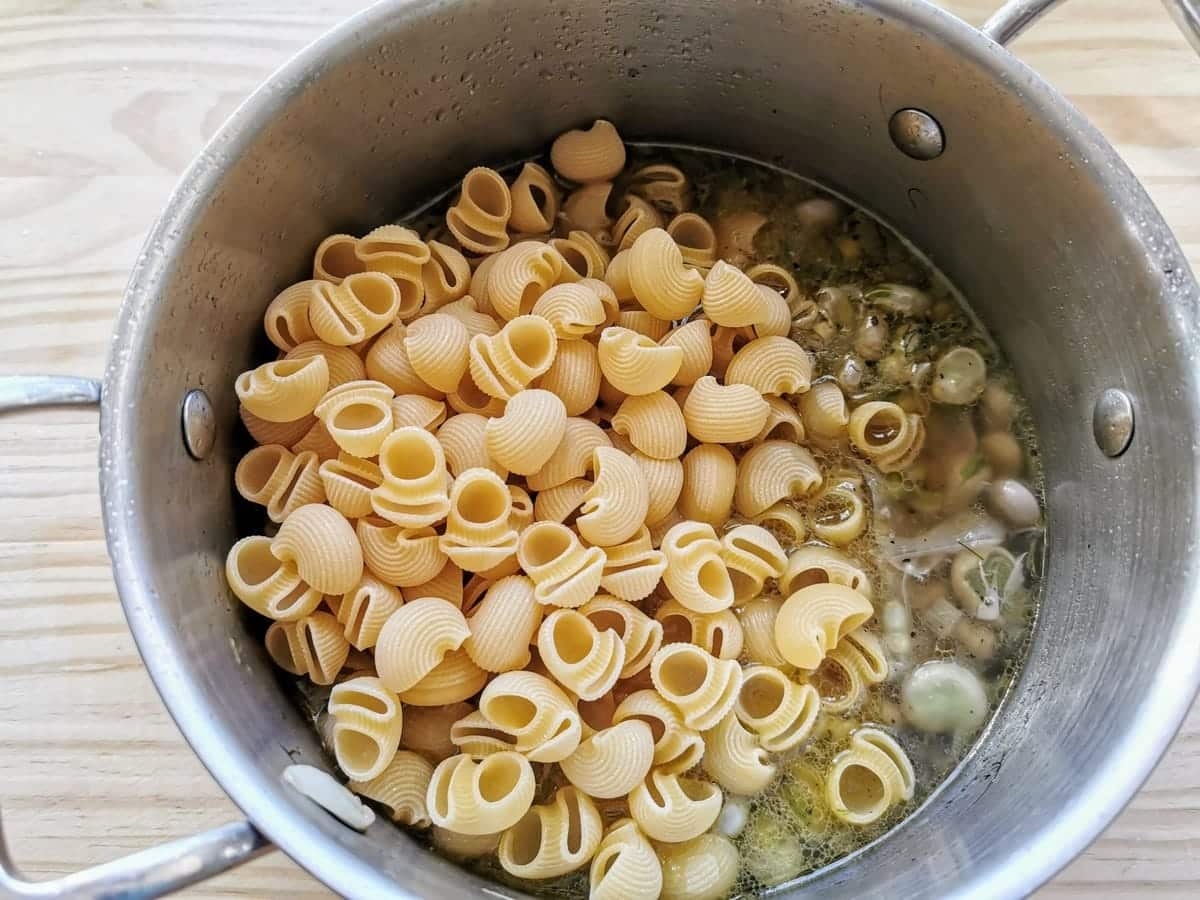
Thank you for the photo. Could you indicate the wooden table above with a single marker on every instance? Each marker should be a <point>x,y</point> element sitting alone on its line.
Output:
<point>102,104</point>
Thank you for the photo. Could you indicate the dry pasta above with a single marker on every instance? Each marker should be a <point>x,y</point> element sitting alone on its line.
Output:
<point>677,748</point>
<point>479,218</point>
<point>668,807</point>
<point>387,361</point>
<point>280,480</point>
<point>611,762</point>
<point>869,776</point>
<point>704,868</point>
<point>696,574</point>
<point>709,481</point>
<point>658,277</point>
<point>785,522</point>
<point>823,409</point>
<point>413,492</point>
<point>781,712</point>
<point>313,645</point>
<point>479,535</point>
<point>464,443</point>
<point>574,376</point>
<point>437,350</point>
<point>816,565</point>
<point>400,253</point>
<point>365,608</point>
<point>534,200</point>
<point>636,218</point>
<point>718,633</point>
<point>520,275</point>
<point>582,658</point>
<point>696,239</point>
<point>664,482</point>
<point>317,440</point>
<point>774,471</point>
<point>427,729</point>
<point>734,759</point>
<point>633,569</point>
<point>641,635</point>
<point>634,364</point>
<point>573,457</point>
<point>401,788</point>
<point>702,687</point>
<point>695,340</point>
<point>452,680</point>
<point>586,209</point>
<point>724,414</point>
<point>503,625</point>
<point>343,363</point>
<point>653,423</point>
<point>752,555</point>
<point>506,363</point>
<point>615,505</point>
<point>418,411</point>
<point>573,310</point>
<point>358,416</point>
<point>466,310</point>
<point>415,639</point>
<point>285,434</point>
<point>584,156</point>
<point>323,547</point>
<point>286,319</point>
<point>367,721</point>
<point>284,390</point>
<point>482,797</point>
<point>268,586</point>
<point>359,308</point>
<point>445,276</point>
<point>840,515</point>
<point>553,838</point>
<point>625,866</point>
<point>536,712</point>
<point>771,365</point>
<point>475,736</point>
<point>814,619</point>
<point>584,256</point>
<point>726,342</point>
<point>783,422</point>
<point>730,298</point>
<point>402,556</point>
<point>564,572</point>
<point>561,503</point>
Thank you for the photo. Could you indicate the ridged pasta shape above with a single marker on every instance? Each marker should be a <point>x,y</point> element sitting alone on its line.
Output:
<point>695,340</point>
<point>777,315</point>
<point>466,310</point>
<point>312,646</point>
<point>574,311</point>
<point>359,308</point>
<point>696,574</point>
<point>696,239</point>
<point>677,748</point>
<point>774,471</point>
<point>634,364</point>
<point>525,437</point>
<point>323,547</point>
<point>402,556</point>
<point>814,619</point>
<point>664,482</point>
<point>758,631</point>
<point>401,788</point>
<point>664,185</point>
<point>479,535</point>
<point>464,442</point>
<point>586,209</point>
<point>553,838</point>
<point>724,414</point>
<point>400,253</point>
<point>503,625</point>
<point>863,651</point>
<point>561,503</point>
<point>634,568</point>
<point>781,712</point>
<point>823,409</point>
<point>447,584</point>
<point>726,343</point>
<point>641,635</point>
<point>286,434</point>
<point>474,735</point>
<point>771,365</point>
<point>614,508</point>
<point>573,457</point>
<point>616,276</point>
<point>582,254</point>
<point>704,868</point>
<point>625,866</point>
<point>588,155</point>
<point>387,361</point>
<point>358,416</point>
<point>702,687</point>
<point>284,390</point>
<point>265,584</point>
<point>582,658</point>
<point>709,482</point>
<point>839,514</point>
<point>887,435</point>
<point>536,712</point>
<point>503,365</point>
<point>335,258</point>
<point>479,217</point>
<point>278,479</point>
<point>469,398</point>
<point>520,276</point>
<point>872,774</point>
<point>482,797</point>
<point>437,350</point>
<point>717,633</point>
<point>730,298</point>
<point>653,423</point>
<point>364,609</point>
<point>343,363</point>
<point>318,441</point>
<point>611,762</point>
<point>367,721</point>
<point>785,522</point>
<point>452,680</point>
<point>564,572</point>
<point>574,376</point>
<point>752,555</point>
<point>783,422</point>
<point>658,277</point>
<point>413,493</point>
<point>535,201</point>
<point>819,565</point>
<point>734,759</point>
<point>777,279</point>
<point>414,410</point>
<point>415,638</point>
<point>445,276</point>
<point>669,807</point>
<point>636,218</point>
<point>286,319</point>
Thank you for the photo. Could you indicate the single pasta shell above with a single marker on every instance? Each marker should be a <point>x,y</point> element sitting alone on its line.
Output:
<point>774,471</point>
<point>696,239</point>
<point>387,361</point>
<point>335,258</point>
<point>466,310</point>
<point>400,788</point>
<point>362,306</point>
<point>437,349</point>
<point>814,619</point>
<point>284,433</point>
<point>584,156</point>
<point>615,506</point>
<point>525,437</point>
<point>464,440</point>
<point>674,809</point>
<point>344,364</point>
<point>453,680</point>
<point>520,276</point>
<point>286,319</point>
<point>625,866</point>
<point>724,414</point>
<point>503,365</point>
<point>695,340</point>
<point>365,609</point>
<point>731,298</point>
<point>782,422</point>
<point>582,254</point>
<point>823,409</point>
<point>586,209</point>
<point>771,365</point>
<point>503,625</point>
<point>348,482</point>
<point>633,570</point>
<point>654,425</point>
<point>479,218</point>
<point>358,416</point>
<point>634,364</point>
<point>709,482</point>
<point>573,456</point>
<point>777,315</point>
<point>400,556</point>
<point>641,635</point>
<point>703,688</point>
<point>557,504</point>
<point>534,200</point>
<point>781,712</point>
<point>284,390</point>
<point>734,759</point>
<point>611,762</point>
<point>415,639</point>
<point>658,278</point>
<point>413,410</point>
<point>574,376</point>
<point>635,219</point>
<point>585,660</point>
<point>323,546</point>
<point>573,310</point>
<point>446,276</point>
<point>269,587</point>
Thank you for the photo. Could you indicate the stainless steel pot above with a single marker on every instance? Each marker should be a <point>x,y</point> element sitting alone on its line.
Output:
<point>1000,181</point>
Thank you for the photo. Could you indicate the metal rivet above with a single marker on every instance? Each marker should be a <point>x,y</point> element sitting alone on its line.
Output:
<point>199,424</point>
<point>917,134</point>
<point>1112,422</point>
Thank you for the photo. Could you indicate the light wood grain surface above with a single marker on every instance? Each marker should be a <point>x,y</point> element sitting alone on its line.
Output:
<point>102,104</point>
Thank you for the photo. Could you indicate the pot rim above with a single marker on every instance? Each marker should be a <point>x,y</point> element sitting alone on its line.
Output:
<point>1153,724</point>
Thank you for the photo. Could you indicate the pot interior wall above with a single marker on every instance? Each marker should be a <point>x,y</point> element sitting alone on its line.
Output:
<point>403,102</point>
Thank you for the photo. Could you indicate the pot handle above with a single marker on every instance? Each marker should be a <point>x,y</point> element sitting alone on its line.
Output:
<point>1015,16</point>
<point>148,873</point>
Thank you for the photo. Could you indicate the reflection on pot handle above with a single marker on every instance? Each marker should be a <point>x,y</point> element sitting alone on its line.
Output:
<point>1017,15</point>
<point>159,870</point>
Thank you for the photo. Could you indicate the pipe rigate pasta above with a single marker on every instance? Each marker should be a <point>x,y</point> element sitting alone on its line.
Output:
<point>536,712</point>
<point>702,687</point>
<point>418,411</point>
<point>839,514</point>
<point>312,646</point>
<point>823,409</point>
<point>475,736</point>
<point>335,258</point>
<point>343,363</point>
<point>777,316</point>
<point>437,350</point>
<point>400,253</point>
<point>553,838</point>
<point>469,398</point>
<point>587,155</point>
<point>818,565</point>
<point>616,276</point>
<point>709,481</point>
<point>781,712</point>
<point>479,217</point>
<point>653,423</point>
<point>317,440</point>
<point>284,390</point>
<point>525,437</point>
<point>278,479</point>
<point>561,503</point>
<point>771,365</point>
<point>401,788</point>
<point>322,545</point>
<point>664,185</point>
<point>534,201</point>
<point>452,680</point>
<point>413,493</point>
<point>573,457</point>
<point>736,232</point>
<point>696,239</point>
<point>446,584</point>
<point>664,482</point>
<point>574,376</point>
<point>886,434</point>
<point>774,471</point>
<point>677,748</point>
<point>701,869</point>
<point>464,442</point>
<point>583,255</point>
<point>268,586</point>
<point>783,422</point>
<point>658,277</point>
<point>814,619</point>
<point>358,416</point>
<point>644,323</point>
<point>779,280</point>
<point>427,729</point>
<point>730,298</point>
<point>633,569</point>
<point>364,609</point>
<point>462,847</point>
<point>466,310</point>
<point>696,574</point>
<point>400,556</point>
<point>695,340</point>
<point>503,625</point>
<point>625,866</point>
<point>636,218</point>
<point>586,209</point>
<point>724,414</point>
<point>482,797</point>
<point>415,638</point>
<point>641,635</point>
<point>633,363</point>
<point>446,276</point>
<point>367,721</point>
<point>573,310</point>
<point>615,506</point>
<point>286,319</point>
<point>734,759</point>
<point>785,522</point>
<point>359,308</point>
<point>613,761</point>
<point>285,434</point>
<point>872,774</point>
<point>582,658</point>
<point>387,361</point>
<point>668,807</point>
<point>478,534</point>
<point>505,364</point>
<point>752,555</point>
<point>718,633</point>
<point>520,276</point>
